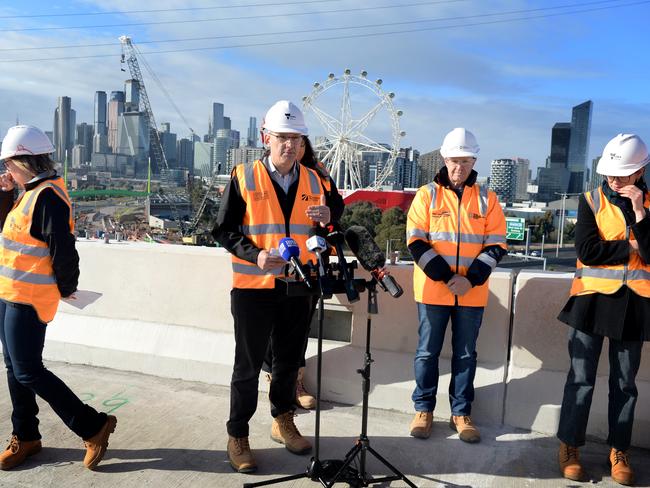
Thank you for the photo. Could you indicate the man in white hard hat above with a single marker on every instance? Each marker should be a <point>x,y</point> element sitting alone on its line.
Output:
<point>265,201</point>
<point>610,297</point>
<point>456,234</point>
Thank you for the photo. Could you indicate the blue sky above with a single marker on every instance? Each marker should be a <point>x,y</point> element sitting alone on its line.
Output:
<point>508,82</point>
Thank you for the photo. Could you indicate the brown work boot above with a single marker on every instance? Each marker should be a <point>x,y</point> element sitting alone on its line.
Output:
<point>240,455</point>
<point>467,431</point>
<point>17,451</point>
<point>303,398</point>
<point>621,470</point>
<point>285,432</point>
<point>421,425</point>
<point>97,444</point>
<point>570,466</point>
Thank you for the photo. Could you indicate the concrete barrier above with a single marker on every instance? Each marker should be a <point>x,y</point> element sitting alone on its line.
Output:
<point>165,311</point>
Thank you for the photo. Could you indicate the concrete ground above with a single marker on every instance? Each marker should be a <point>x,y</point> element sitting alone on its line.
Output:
<point>171,433</point>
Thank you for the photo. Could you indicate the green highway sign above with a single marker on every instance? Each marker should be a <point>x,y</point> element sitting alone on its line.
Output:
<point>515,228</point>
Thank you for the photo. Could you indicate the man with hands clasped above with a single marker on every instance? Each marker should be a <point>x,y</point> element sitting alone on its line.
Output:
<point>456,234</point>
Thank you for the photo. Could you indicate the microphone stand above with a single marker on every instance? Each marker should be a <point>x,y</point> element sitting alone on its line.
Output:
<point>315,470</point>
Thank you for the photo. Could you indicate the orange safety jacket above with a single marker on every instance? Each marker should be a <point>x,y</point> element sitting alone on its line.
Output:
<point>458,231</point>
<point>608,279</point>
<point>26,273</point>
<point>264,223</point>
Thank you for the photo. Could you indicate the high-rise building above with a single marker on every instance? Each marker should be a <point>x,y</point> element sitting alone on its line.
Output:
<point>133,140</point>
<point>132,96</point>
<point>185,154</point>
<point>168,143</point>
<point>579,145</point>
<point>406,169</point>
<point>251,138</point>
<point>503,179</point>
<point>227,123</point>
<point>115,109</point>
<point>523,175</point>
<point>100,113</point>
<point>428,166</point>
<point>560,141</point>
<point>84,139</point>
<point>216,122</point>
<point>244,155</point>
<point>64,125</point>
<point>223,142</point>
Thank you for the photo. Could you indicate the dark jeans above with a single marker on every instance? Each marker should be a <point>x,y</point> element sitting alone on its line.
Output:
<point>268,357</point>
<point>260,316</point>
<point>624,360</point>
<point>465,324</point>
<point>23,337</point>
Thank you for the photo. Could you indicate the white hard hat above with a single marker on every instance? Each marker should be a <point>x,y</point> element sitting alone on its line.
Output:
<point>25,140</point>
<point>285,116</point>
<point>623,155</point>
<point>459,143</point>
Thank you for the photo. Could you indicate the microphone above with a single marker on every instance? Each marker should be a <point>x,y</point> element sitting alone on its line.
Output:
<point>317,245</point>
<point>371,258</point>
<point>290,251</point>
<point>335,238</point>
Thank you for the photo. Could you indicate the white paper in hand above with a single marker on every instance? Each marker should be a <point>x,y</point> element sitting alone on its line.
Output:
<point>82,298</point>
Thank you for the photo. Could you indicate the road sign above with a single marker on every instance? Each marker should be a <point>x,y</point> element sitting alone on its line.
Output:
<point>515,228</point>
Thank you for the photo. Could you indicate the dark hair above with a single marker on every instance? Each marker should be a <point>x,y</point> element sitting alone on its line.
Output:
<point>309,158</point>
<point>38,163</point>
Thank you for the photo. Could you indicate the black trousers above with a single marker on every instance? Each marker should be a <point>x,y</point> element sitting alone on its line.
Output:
<point>261,316</point>
<point>268,357</point>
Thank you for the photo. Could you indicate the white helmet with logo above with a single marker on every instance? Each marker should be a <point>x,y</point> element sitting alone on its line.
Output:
<point>623,155</point>
<point>25,140</point>
<point>286,117</point>
<point>459,143</point>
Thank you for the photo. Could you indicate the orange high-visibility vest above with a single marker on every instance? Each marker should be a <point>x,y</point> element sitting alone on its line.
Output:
<point>458,231</point>
<point>26,274</point>
<point>608,279</point>
<point>264,222</point>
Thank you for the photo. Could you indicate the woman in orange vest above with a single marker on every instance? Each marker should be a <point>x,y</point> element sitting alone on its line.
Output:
<point>610,297</point>
<point>38,266</point>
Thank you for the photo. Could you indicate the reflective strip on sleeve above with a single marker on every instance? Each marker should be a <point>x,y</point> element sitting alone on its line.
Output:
<point>487,259</point>
<point>419,233</point>
<point>492,239</point>
<point>27,277</point>
<point>39,252</point>
<point>426,258</point>
<point>638,274</point>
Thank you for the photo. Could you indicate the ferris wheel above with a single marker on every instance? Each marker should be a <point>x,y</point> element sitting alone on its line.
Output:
<point>347,148</point>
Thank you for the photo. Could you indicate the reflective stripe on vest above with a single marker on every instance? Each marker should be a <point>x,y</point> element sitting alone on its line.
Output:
<point>456,231</point>
<point>608,279</point>
<point>264,223</point>
<point>26,274</point>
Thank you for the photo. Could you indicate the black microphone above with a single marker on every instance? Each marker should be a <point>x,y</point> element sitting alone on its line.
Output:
<point>336,239</point>
<point>371,258</point>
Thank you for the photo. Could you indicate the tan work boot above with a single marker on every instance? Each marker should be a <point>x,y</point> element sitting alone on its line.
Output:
<point>240,455</point>
<point>303,398</point>
<point>570,466</point>
<point>421,425</point>
<point>17,451</point>
<point>621,470</point>
<point>97,444</point>
<point>467,431</point>
<point>285,432</point>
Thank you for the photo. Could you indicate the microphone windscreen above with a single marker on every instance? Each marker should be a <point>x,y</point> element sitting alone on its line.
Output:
<point>288,248</point>
<point>364,248</point>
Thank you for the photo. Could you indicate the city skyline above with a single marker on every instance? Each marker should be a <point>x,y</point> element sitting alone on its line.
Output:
<point>507,82</point>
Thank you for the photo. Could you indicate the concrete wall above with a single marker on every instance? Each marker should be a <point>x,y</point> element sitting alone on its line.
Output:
<point>165,310</point>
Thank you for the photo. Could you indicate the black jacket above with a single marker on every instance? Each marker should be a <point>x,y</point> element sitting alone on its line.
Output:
<point>623,315</point>
<point>50,225</point>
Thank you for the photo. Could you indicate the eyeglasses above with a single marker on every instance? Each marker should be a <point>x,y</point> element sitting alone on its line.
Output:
<point>622,179</point>
<point>293,138</point>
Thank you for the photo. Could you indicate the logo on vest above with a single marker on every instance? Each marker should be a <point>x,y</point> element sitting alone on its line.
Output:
<point>309,198</point>
<point>436,214</point>
<point>260,195</point>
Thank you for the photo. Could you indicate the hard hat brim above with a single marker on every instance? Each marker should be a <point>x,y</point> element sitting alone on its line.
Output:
<point>604,168</point>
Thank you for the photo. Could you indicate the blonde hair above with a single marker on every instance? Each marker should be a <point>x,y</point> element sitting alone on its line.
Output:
<point>35,163</point>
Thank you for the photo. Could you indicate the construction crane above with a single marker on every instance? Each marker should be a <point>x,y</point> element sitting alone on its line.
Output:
<point>131,59</point>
